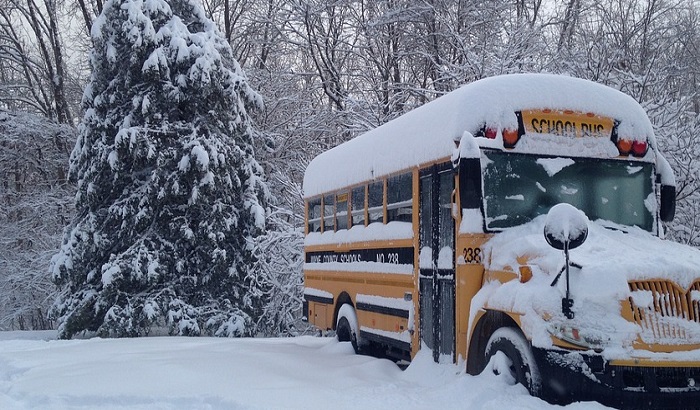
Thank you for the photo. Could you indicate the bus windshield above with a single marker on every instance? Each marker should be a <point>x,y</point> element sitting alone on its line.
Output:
<point>519,187</point>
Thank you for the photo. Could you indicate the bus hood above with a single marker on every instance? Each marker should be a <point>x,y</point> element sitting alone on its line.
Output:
<point>611,257</point>
<point>606,266</point>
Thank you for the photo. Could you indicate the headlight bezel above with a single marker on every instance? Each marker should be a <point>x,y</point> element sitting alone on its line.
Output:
<point>575,336</point>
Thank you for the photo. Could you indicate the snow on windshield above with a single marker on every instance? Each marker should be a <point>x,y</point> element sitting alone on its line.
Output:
<point>553,165</point>
<point>427,133</point>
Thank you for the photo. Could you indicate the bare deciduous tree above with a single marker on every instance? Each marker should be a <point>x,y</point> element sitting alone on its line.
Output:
<point>35,204</point>
<point>32,63</point>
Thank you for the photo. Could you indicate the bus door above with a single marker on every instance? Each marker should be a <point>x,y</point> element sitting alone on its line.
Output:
<point>436,260</point>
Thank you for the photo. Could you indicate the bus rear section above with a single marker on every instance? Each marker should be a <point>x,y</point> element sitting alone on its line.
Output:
<point>360,254</point>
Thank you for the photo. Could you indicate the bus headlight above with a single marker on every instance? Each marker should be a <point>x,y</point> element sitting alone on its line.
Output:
<point>583,338</point>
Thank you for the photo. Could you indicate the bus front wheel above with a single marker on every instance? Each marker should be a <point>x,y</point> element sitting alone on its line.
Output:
<point>516,358</point>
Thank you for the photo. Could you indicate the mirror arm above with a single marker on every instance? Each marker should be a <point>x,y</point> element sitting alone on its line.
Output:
<point>567,303</point>
<point>556,278</point>
<point>561,237</point>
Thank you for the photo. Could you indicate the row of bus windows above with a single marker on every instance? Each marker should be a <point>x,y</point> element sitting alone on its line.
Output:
<point>363,205</point>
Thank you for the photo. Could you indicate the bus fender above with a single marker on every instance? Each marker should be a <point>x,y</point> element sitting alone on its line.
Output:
<point>343,299</point>
<point>348,312</point>
<point>488,323</point>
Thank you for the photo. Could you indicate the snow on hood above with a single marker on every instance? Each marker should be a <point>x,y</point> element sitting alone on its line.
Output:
<point>612,256</point>
<point>427,133</point>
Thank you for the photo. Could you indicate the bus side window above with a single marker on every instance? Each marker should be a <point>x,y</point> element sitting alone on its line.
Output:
<point>341,211</point>
<point>358,206</point>
<point>375,203</point>
<point>314,215</point>
<point>399,205</point>
<point>328,213</point>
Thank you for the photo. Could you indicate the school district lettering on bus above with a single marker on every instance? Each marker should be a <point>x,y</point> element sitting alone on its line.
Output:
<point>517,217</point>
<point>394,256</point>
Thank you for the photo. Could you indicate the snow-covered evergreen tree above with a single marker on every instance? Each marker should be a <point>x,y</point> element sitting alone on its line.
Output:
<point>169,196</point>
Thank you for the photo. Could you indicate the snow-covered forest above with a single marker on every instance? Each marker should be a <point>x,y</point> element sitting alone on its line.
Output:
<point>306,75</point>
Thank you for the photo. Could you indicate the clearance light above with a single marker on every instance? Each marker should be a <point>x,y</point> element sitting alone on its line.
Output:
<point>639,148</point>
<point>491,133</point>
<point>510,138</point>
<point>525,273</point>
<point>624,146</point>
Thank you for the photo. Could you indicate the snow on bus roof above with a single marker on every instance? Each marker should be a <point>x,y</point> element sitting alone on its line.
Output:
<point>426,134</point>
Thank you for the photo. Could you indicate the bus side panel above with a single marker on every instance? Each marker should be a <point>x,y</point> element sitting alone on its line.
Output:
<point>469,278</point>
<point>379,300</point>
<point>318,315</point>
<point>388,326</point>
<point>321,309</point>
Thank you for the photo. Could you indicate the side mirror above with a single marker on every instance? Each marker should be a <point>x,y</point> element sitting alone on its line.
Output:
<point>566,227</point>
<point>668,203</point>
<point>469,173</point>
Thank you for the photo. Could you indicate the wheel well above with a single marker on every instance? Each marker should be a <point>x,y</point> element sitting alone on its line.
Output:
<point>343,298</point>
<point>488,324</point>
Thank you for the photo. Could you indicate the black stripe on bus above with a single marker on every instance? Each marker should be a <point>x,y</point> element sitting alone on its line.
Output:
<point>318,299</point>
<point>384,310</point>
<point>400,256</point>
<point>389,341</point>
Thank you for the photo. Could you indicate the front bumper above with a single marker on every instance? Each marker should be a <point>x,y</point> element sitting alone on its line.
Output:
<point>573,376</point>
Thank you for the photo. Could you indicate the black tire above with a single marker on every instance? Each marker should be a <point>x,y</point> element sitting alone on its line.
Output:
<point>345,334</point>
<point>522,367</point>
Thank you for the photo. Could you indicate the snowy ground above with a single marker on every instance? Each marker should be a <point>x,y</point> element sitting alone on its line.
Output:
<point>215,373</point>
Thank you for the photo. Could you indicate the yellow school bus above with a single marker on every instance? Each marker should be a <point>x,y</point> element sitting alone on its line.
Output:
<point>515,225</point>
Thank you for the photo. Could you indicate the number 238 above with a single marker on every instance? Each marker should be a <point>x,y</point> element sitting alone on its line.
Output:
<point>472,255</point>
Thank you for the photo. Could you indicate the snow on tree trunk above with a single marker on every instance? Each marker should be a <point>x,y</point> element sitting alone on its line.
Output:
<point>170,197</point>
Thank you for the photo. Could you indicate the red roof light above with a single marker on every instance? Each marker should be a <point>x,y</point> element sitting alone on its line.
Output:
<point>639,148</point>
<point>491,133</point>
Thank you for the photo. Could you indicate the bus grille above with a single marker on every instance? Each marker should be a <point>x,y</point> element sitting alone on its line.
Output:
<point>665,310</point>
